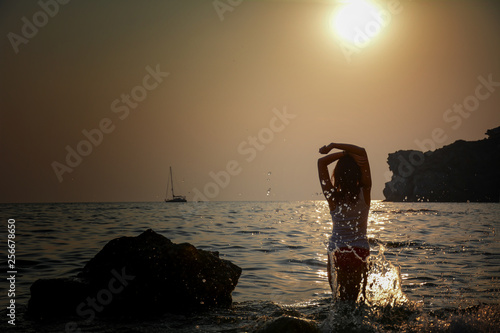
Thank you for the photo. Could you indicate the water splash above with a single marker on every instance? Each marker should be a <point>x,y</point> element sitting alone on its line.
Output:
<point>384,282</point>
<point>268,179</point>
<point>381,298</point>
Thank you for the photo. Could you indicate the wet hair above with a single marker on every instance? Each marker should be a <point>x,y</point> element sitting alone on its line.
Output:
<point>346,179</point>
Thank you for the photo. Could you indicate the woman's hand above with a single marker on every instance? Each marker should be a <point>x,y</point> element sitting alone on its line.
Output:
<point>325,149</point>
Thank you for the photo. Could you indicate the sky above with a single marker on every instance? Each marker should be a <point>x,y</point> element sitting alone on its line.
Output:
<point>99,98</point>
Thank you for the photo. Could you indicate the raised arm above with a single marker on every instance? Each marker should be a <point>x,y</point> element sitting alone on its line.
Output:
<point>361,157</point>
<point>350,149</point>
<point>324,176</point>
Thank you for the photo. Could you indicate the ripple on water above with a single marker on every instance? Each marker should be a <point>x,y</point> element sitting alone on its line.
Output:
<point>448,253</point>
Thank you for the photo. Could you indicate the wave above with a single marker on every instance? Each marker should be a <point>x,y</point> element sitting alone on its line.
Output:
<point>374,242</point>
<point>21,263</point>
<point>407,244</point>
<point>412,211</point>
<point>308,262</point>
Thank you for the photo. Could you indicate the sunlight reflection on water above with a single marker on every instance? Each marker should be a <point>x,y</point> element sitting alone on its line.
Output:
<point>448,254</point>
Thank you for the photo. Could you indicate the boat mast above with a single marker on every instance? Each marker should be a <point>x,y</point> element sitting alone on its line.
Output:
<point>172,182</point>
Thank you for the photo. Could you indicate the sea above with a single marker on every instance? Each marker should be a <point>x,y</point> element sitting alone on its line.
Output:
<point>434,267</point>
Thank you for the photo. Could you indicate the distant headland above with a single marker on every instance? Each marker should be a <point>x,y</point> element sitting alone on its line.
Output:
<point>460,172</point>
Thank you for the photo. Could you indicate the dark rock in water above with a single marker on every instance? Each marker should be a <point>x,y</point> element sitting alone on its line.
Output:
<point>287,324</point>
<point>163,274</point>
<point>140,275</point>
<point>56,297</point>
<point>462,171</point>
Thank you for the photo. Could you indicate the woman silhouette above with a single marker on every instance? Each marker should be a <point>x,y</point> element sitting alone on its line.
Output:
<point>349,201</point>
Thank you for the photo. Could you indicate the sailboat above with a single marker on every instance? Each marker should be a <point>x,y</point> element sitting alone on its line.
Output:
<point>175,198</point>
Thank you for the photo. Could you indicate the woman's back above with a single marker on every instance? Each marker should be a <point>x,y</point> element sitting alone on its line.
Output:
<point>349,225</point>
<point>349,202</point>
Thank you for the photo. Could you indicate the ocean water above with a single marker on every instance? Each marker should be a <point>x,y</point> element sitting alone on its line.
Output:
<point>435,267</point>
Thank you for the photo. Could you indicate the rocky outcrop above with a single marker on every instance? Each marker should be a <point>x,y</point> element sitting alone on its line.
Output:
<point>147,274</point>
<point>56,297</point>
<point>462,171</point>
<point>290,325</point>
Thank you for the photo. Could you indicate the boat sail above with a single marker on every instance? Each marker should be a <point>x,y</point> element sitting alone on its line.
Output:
<point>175,198</point>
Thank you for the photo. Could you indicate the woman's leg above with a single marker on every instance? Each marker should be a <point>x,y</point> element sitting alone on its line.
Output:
<point>351,269</point>
<point>329,271</point>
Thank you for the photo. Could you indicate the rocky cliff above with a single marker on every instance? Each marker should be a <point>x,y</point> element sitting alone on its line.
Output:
<point>462,171</point>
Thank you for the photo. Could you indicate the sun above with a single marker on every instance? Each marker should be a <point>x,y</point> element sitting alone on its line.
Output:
<point>358,21</point>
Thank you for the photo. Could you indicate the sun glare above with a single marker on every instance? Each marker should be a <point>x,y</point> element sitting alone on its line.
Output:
<point>358,21</point>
